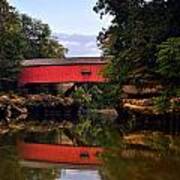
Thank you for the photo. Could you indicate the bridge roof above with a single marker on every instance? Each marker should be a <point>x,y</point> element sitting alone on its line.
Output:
<point>62,61</point>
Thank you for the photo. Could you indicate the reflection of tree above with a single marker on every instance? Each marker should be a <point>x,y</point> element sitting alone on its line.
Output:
<point>9,166</point>
<point>41,174</point>
<point>38,137</point>
<point>55,136</point>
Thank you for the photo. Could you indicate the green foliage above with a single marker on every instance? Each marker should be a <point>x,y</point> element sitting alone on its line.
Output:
<point>97,96</point>
<point>11,41</point>
<point>142,44</point>
<point>106,98</point>
<point>168,65</point>
<point>82,96</point>
<point>98,132</point>
<point>39,43</point>
<point>161,103</point>
<point>168,58</point>
<point>131,41</point>
<point>22,37</point>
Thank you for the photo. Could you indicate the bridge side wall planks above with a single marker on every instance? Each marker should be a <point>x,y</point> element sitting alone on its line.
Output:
<point>81,73</point>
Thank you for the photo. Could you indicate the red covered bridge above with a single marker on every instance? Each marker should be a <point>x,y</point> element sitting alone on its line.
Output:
<point>75,70</point>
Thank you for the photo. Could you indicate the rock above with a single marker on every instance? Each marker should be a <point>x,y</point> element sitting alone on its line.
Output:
<point>4,98</point>
<point>18,107</point>
<point>142,90</point>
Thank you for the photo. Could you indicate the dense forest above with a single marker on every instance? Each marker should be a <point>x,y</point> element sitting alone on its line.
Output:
<point>143,48</point>
<point>142,45</point>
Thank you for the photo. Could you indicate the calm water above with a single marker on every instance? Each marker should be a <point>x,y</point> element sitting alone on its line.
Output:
<point>14,168</point>
<point>79,175</point>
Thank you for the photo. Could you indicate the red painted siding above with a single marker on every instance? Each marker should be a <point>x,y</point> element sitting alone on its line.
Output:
<point>60,154</point>
<point>62,74</point>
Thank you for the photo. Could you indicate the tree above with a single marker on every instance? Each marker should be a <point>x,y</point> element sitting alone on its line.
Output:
<point>168,59</point>
<point>11,43</point>
<point>138,28</point>
<point>39,43</point>
<point>22,37</point>
<point>168,65</point>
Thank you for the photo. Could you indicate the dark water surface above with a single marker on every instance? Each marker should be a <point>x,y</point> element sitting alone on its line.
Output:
<point>12,167</point>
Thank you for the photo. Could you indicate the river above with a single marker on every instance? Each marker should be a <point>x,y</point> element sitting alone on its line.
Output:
<point>13,167</point>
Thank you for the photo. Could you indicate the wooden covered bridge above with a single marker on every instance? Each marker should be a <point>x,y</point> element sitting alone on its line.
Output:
<point>55,71</point>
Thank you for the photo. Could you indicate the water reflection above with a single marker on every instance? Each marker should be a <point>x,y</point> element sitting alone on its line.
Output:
<point>12,167</point>
<point>9,164</point>
<point>67,174</point>
<point>40,173</point>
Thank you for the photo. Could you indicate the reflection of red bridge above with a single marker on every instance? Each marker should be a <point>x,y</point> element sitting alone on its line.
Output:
<point>76,70</point>
<point>68,155</point>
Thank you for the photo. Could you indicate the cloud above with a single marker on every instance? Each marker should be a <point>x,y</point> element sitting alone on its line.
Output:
<point>70,43</point>
<point>79,45</point>
<point>90,44</point>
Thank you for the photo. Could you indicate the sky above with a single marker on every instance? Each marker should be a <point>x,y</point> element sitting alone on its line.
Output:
<point>74,22</point>
<point>64,16</point>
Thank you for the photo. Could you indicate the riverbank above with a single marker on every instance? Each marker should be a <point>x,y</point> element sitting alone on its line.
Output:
<point>43,106</point>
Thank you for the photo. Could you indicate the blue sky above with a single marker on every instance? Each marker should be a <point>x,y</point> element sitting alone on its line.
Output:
<point>74,22</point>
<point>64,16</point>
